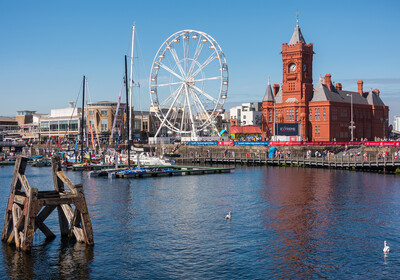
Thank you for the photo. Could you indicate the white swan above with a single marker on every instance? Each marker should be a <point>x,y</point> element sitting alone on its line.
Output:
<point>228,217</point>
<point>386,248</point>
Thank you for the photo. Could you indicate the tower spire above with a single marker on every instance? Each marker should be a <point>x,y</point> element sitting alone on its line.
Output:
<point>297,36</point>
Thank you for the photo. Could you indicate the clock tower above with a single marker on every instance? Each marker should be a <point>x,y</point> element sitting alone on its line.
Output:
<point>297,87</point>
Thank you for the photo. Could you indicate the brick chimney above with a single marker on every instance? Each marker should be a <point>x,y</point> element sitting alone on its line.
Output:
<point>376,91</point>
<point>276,89</point>
<point>338,86</point>
<point>360,86</point>
<point>328,81</point>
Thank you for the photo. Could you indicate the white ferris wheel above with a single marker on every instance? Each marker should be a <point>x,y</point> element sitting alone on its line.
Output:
<point>188,83</point>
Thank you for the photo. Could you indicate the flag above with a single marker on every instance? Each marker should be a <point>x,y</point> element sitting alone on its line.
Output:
<point>91,133</point>
<point>116,115</point>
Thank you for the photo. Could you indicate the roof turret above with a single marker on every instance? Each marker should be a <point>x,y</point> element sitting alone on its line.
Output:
<point>268,93</point>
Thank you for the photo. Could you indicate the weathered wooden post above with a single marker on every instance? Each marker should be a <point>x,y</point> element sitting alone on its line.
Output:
<point>23,215</point>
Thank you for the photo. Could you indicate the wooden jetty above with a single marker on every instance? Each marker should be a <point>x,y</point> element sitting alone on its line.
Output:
<point>24,213</point>
<point>82,167</point>
<point>388,164</point>
<point>160,171</point>
<point>7,162</point>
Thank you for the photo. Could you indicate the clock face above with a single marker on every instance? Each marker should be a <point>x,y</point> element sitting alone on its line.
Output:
<point>304,67</point>
<point>292,67</point>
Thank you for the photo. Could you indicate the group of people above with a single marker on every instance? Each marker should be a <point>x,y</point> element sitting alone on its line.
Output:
<point>386,155</point>
<point>250,138</point>
<point>324,154</point>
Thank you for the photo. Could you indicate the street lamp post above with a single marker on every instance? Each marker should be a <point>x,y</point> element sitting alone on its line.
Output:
<point>385,124</point>
<point>273,129</point>
<point>351,122</point>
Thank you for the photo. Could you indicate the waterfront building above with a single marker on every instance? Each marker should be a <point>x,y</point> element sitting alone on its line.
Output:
<point>324,113</point>
<point>9,128</point>
<point>24,116</point>
<point>247,132</point>
<point>8,124</point>
<point>100,118</point>
<point>60,123</point>
<point>396,123</point>
<point>144,125</point>
<point>66,122</point>
<point>28,122</point>
<point>246,114</point>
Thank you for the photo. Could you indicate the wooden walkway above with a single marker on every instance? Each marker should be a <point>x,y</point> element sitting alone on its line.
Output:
<point>339,162</point>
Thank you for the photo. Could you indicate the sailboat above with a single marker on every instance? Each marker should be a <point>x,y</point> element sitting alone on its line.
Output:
<point>139,156</point>
<point>73,158</point>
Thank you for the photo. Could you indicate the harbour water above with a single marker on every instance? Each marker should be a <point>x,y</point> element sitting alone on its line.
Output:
<point>287,223</point>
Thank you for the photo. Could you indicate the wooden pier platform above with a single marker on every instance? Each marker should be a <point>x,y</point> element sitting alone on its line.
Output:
<point>96,167</point>
<point>7,162</point>
<point>171,171</point>
<point>390,164</point>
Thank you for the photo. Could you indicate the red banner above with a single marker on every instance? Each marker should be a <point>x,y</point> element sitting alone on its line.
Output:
<point>381,144</point>
<point>226,143</point>
<point>315,143</point>
<point>286,143</point>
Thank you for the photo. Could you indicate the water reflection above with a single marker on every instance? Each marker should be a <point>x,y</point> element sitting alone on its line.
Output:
<point>19,264</point>
<point>299,203</point>
<point>287,223</point>
<point>385,258</point>
<point>69,261</point>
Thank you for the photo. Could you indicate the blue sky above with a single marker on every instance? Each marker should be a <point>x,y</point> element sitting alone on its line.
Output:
<point>47,46</point>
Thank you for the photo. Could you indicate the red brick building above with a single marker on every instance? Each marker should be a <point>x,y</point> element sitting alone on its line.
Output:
<point>323,113</point>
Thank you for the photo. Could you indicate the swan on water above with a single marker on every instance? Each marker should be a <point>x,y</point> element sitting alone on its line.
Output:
<point>386,248</point>
<point>228,217</point>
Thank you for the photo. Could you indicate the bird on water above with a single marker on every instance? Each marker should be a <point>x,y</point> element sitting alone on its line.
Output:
<point>229,216</point>
<point>386,248</point>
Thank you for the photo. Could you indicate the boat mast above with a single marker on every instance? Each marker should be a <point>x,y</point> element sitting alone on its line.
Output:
<point>131,80</point>
<point>83,115</point>
<point>127,110</point>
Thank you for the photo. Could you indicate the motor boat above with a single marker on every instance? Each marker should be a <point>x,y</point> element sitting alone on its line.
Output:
<point>146,159</point>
